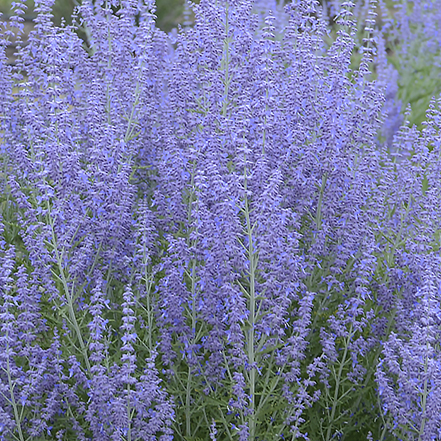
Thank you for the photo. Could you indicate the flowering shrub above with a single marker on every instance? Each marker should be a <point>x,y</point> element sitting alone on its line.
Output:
<point>206,236</point>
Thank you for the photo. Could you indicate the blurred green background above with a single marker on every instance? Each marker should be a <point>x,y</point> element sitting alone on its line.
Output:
<point>169,12</point>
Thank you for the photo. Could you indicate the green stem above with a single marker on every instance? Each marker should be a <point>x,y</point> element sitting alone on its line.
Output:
<point>193,312</point>
<point>69,296</point>
<point>129,414</point>
<point>148,284</point>
<point>226,64</point>
<point>109,64</point>
<point>338,380</point>
<point>129,130</point>
<point>318,218</point>
<point>253,259</point>
<point>424,397</point>
<point>11,388</point>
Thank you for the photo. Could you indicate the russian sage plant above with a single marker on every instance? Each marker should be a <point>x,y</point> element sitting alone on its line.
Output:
<point>204,234</point>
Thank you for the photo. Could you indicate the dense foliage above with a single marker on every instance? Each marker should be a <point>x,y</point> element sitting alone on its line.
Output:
<point>228,232</point>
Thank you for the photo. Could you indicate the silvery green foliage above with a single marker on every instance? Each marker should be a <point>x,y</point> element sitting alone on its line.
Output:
<point>214,239</point>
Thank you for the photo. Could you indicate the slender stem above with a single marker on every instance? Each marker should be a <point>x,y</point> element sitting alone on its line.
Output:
<point>69,296</point>
<point>129,414</point>
<point>129,130</point>
<point>148,284</point>
<point>320,202</point>
<point>193,312</point>
<point>226,63</point>
<point>253,259</point>
<point>109,64</point>
<point>337,385</point>
<point>424,397</point>
<point>11,388</point>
